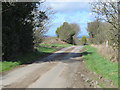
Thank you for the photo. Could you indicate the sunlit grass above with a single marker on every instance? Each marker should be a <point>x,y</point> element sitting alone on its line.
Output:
<point>45,49</point>
<point>7,65</point>
<point>101,65</point>
<point>56,45</point>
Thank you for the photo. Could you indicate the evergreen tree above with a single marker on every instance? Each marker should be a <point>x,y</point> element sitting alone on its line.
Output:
<point>17,28</point>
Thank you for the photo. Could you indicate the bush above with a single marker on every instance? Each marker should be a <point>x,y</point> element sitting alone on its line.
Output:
<point>83,40</point>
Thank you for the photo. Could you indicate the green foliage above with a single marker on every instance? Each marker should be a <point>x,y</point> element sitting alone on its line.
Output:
<point>17,28</point>
<point>101,65</point>
<point>67,31</point>
<point>83,40</point>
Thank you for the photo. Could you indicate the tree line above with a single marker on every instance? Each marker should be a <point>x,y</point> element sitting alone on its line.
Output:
<point>20,22</point>
<point>105,29</point>
<point>23,25</point>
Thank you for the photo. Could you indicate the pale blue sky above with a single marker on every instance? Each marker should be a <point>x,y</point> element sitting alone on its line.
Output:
<point>71,12</point>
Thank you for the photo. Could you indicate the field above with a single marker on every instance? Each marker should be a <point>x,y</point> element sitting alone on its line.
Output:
<point>96,63</point>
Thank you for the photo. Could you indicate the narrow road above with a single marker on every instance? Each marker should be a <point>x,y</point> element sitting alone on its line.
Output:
<point>62,69</point>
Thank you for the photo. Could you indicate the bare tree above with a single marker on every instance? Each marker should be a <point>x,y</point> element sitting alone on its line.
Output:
<point>108,12</point>
<point>42,23</point>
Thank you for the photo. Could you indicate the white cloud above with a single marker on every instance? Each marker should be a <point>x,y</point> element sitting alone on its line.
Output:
<point>71,12</point>
<point>64,1</point>
<point>68,6</point>
<point>81,0</point>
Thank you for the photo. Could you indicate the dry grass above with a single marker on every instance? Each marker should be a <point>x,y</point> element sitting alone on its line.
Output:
<point>107,52</point>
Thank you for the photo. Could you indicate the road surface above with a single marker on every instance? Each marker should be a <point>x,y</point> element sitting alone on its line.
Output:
<point>62,69</point>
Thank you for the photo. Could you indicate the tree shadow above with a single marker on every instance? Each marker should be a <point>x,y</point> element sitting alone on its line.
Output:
<point>39,57</point>
<point>63,57</point>
<point>85,53</point>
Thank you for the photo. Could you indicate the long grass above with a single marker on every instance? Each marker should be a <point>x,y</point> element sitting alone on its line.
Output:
<point>101,65</point>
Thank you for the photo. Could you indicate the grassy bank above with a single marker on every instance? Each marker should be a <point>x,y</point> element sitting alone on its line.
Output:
<point>42,51</point>
<point>56,45</point>
<point>96,63</point>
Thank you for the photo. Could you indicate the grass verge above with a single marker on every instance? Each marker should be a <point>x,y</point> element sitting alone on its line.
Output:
<point>96,63</point>
<point>28,58</point>
<point>4,66</point>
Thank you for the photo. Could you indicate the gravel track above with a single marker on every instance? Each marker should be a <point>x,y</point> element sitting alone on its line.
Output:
<point>62,69</point>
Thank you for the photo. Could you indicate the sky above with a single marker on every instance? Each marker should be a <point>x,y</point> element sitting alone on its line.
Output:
<point>71,11</point>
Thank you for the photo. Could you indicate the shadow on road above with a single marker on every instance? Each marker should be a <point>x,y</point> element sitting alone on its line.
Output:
<point>48,57</point>
<point>62,56</point>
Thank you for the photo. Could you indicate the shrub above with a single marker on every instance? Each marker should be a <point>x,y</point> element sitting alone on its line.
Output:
<point>83,40</point>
